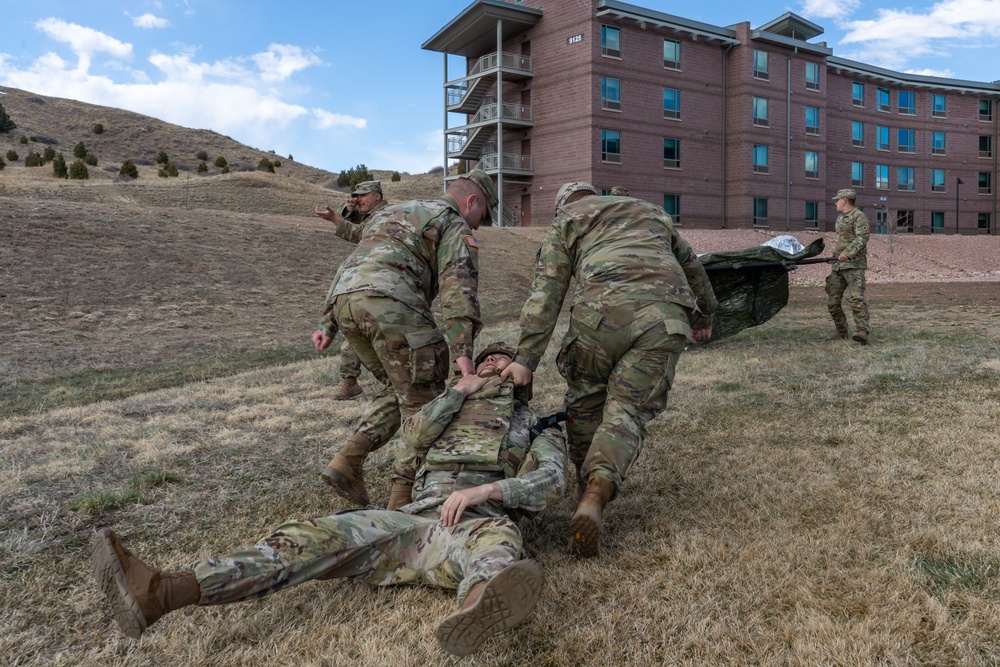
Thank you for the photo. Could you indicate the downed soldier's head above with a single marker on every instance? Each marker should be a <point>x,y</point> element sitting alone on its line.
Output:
<point>494,358</point>
<point>569,193</point>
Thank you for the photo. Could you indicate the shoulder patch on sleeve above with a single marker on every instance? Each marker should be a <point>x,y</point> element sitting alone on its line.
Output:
<point>472,242</point>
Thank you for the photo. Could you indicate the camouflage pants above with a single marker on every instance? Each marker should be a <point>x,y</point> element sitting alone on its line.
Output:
<point>379,547</point>
<point>853,282</point>
<point>350,365</point>
<point>402,348</point>
<point>618,364</point>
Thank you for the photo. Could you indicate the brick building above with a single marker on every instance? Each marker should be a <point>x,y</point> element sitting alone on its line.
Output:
<point>724,126</point>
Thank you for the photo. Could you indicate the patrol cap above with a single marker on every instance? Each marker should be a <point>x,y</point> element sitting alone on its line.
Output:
<point>364,187</point>
<point>493,348</point>
<point>569,188</point>
<point>485,183</point>
<point>846,193</point>
<point>619,191</point>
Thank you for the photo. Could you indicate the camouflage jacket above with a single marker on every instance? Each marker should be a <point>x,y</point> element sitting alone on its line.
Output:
<point>444,442</point>
<point>617,249</point>
<point>411,252</point>
<point>853,229</point>
<point>351,226</point>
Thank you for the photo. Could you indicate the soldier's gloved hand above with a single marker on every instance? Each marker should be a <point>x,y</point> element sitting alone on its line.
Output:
<point>522,374</point>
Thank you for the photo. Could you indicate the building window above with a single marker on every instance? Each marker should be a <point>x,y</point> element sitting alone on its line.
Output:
<point>857,133</point>
<point>671,103</point>
<point>985,182</point>
<point>937,143</point>
<point>672,205</point>
<point>882,176</point>
<point>611,93</point>
<point>812,120</point>
<point>857,173</point>
<point>983,223</point>
<point>937,180</point>
<point>985,146</point>
<point>858,94</point>
<point>905,141</point>
<point>937,221</point>
<point>986,110</point>
<point>904,221</point>
<point>672,153</point>
<point>671,54</point>
<point>760,65</point>
<point>939,106</point>
<point>812,164</point>
<point>812,214</point>
<point>760,211</point>
<point>904,178</point>
<point>812,76</point>
<point>611,41</point>
<point>760,159</point>
<point>881,138</point>
<point>760,111</point>
<point>611,146</point>
<point>907,102</point>
<point>883,99</point>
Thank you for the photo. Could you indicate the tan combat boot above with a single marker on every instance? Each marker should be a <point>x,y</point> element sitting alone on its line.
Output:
<point>840,334</point>
<point>138,594</point>
<point>348,389</point>
<point>860,336</point>
<point>343,472</point>
<point>491,607</point>
<point>585,526</point>
<point>400,495</point>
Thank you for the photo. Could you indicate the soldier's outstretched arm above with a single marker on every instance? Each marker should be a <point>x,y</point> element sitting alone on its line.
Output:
<point>458,501</point>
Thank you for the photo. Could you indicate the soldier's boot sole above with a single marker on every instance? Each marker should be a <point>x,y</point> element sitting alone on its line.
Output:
<point>585,532</point>
<point>860,337</point>
<point>110,575</point>
<point>347,392</point>
<point>507,599</point>
<point>344,486</point>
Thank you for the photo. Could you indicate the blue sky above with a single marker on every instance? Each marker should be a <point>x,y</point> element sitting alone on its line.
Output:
<point>334,86</point>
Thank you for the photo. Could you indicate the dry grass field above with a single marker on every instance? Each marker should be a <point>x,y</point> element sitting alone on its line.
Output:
<point>800,502</point>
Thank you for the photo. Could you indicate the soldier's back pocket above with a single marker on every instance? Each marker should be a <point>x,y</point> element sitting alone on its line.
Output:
<point>428,356</point>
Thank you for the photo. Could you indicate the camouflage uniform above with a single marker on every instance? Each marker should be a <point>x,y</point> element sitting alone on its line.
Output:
<point>411,546</point>
<point>638,288</point>
<point>853,229</point>
<point>381,297</point>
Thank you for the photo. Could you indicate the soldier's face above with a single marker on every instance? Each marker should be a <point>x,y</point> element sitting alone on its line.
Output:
<point>368,201</point>
<point>473,209</point>
<point>843,206</point>
<point>492,365</point>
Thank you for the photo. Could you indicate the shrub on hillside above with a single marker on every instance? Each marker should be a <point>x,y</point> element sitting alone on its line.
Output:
<point>202,167</point>
<point>90,159</point>
<point>436,170</point>
<point>80,150</point>
<point>12,155</point>
<point>129,169</point>
<point>276,163</point>
<point>225,170</point>
<point>6,124</point>
<point>49,154</point>
<point>161,158</point>
<point>22,139</point>
<point>265,165</point>
<point>352,177</point>
<point>34,159</point>
<point>395,177</point>
<point>201,155</point>
<point>78,170</point>
<point>168,171</point>
<point>221,163</point>
<point>59,169</point>
<point>2,164</point>
<point>98,128</point>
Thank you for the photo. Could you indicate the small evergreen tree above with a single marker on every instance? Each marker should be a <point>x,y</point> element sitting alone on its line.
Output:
<point>59,169</point>
<point>129,169</point>
<point>161,158</point>
<point>171,169</point>
<point>78,170</point>
<point>202,167</point>
<point>221,163</point>
<point>352,177</point>
<point>6,124</point>
<point>276,163</point>
<point>201,155</point>
<point>22,139</point>
<point>290,157</point>
<point>396,177</point>
<point>225,170</point>
<point>98,128</point>
<point>33,159</point>
<point>2,164</point>
<point>12,155</point>
<point>80,150</point>
<point>90,159</point>
<point>265,165</point>
<point>49,154</point>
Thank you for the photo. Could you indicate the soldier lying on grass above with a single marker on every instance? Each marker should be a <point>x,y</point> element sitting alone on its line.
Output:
<point>478,466</point>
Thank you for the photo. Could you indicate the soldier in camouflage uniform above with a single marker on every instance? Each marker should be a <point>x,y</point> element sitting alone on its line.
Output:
<point>619,191</point>
<point>381,301</point>
<point>847,272</point>
<point>641,296</point>
<point>365,201</point>
<point>477,466</point>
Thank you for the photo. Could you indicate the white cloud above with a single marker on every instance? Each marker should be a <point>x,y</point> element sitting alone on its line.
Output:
<point>281,61</point>
<point>148,20</point>
<point>325,120</point>
<point>84,41</point>
<point>944,73</point>
<point>834,9</point>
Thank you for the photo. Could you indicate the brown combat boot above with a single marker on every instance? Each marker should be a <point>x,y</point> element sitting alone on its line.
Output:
<point>348,389</point>
<point>860,336</point>
<point>840,334</point>
<point>491,607</point>
<point>400,495</point>
<point>343,472</point>
<point>585,526</point>
<point>138,594</point>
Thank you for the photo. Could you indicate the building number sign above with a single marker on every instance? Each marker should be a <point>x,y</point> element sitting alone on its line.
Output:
<point>575,39</point>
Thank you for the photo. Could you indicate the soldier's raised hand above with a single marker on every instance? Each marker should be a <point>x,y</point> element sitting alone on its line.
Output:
<point>522,374</point>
